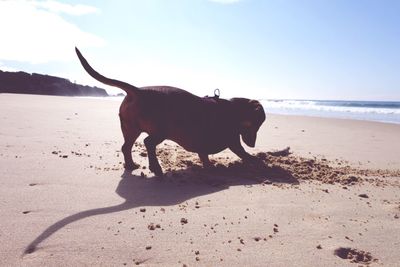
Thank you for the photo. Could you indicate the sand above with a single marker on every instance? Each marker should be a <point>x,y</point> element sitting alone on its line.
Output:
<point>65,199</point>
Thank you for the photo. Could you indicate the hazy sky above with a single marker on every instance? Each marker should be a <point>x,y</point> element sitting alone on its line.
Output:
<point>347,49</point>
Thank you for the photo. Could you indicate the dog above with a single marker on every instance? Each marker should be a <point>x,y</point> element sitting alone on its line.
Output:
<point>201,125</point>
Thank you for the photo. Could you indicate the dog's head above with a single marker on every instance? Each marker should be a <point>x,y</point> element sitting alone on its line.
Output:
<point>251,116</point>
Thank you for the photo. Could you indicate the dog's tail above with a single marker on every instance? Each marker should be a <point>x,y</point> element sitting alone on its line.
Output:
<point>128,88</point>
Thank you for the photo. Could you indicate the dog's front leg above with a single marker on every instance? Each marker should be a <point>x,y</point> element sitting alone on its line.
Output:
<point>237,148</point>
<point>151,143</point>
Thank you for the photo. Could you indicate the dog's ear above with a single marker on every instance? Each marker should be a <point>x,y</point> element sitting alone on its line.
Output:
<point>249,137</point>
<point>251,115</point>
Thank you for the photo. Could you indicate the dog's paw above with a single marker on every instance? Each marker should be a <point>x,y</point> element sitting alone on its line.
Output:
<point>131,166</point>
<point>156,170</point>
<point>208,165</point>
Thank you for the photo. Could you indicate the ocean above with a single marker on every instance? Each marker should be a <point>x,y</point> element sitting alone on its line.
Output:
<point>381,111</point>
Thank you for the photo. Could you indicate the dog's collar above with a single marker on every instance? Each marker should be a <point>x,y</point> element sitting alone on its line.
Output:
<point>216,94</point>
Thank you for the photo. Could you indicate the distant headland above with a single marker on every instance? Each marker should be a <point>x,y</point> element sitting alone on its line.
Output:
<point>40,84</point>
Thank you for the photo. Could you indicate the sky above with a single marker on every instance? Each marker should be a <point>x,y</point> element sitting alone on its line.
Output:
<point>265,49</point>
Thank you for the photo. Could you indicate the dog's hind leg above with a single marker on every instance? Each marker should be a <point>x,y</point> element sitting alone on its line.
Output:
<point>204,159</point>
<point>151,143</point>
<point>130,136</point>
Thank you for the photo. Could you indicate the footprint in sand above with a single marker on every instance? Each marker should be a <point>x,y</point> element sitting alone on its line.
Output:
<point>355,255</point>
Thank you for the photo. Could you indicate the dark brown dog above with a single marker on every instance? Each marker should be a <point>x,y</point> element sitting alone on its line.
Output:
<point>201,125</point>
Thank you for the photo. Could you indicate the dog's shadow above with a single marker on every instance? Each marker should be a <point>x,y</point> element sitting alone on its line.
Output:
<point>173,189</point>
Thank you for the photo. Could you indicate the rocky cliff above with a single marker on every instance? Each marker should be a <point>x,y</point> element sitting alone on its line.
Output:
<point>25,83</point>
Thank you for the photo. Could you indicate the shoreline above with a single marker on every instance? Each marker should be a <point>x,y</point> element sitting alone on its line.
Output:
<point>338,118</point>
<point>382,111</point>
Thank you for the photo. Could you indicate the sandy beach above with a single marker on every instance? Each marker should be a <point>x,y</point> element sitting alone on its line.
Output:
<point>65,199</point>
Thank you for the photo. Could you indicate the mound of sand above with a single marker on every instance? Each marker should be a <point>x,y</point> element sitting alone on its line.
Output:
<point>275,166</point>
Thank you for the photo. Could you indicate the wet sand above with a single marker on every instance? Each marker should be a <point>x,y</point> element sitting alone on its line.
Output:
<point>65,200</point>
